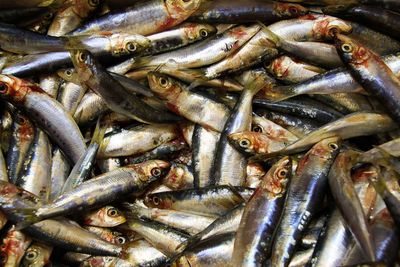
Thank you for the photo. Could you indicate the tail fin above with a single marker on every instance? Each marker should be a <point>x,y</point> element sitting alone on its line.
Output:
<point>272,37</point>
<point>99,133</point>
<point>28,216</point>
<point>279,93</point>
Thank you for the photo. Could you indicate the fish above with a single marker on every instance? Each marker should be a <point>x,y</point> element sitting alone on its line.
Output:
<point>260,217</point>
<point>92,75</point>
<point>245,12</point>
<point>71,15</point>
<point>120,142</point>
<point>306,190</point>
<point>45,111</point>
<point>107,216</point>
<point>215,200</point>
<point>193,106</point>
<point>103,189</point>
<point>364,64</point>
<point>229,164</point>
<point>143,18</point>
<point>341,128</point>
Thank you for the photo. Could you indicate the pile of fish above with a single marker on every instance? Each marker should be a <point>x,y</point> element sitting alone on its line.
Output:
<point>199,133</point>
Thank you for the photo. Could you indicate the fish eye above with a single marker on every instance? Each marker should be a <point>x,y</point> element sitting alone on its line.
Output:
<point>347,48</point>
<point>121,240</point>
<point>31,255</point>
<point>333,146</point>
<point>48,16</point>
<point>82,56</point>
<point>112,212</point>
<point>94,2</point>
<point>257,129</point>
<point>282,173</point>
<point>68,72</point>
<point>156,172</point>
<point>130,46</point>
<point>186,1</point>
<point>245,143</point>
<point>163,82</point>
<point>293,10</point>
<point>203,33</point>
<point>3,88</point>
<point>156,201</point>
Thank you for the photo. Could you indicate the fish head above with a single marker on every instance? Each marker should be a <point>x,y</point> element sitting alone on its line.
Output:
<point>254,143</point>
<point>289,10</point>
<point>15,89</point>
<point>351,51</point>
<point>128,44</point>
<point>195,31</point>
<point>152,170</point>
<point>155,201</point>
<point>181,9</point>
<point>107,216</point>
<point>163,85</point>
<point>83,7</point>
<point>83,62</point>
<point>69,75</point>
<point>13,248</point>
<point>277,178</point>
<point>245,141</point>
<point>37,255</point>
<point>325,27</point>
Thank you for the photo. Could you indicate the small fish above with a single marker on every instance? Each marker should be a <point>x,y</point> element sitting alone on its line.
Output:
<point>107,216</point>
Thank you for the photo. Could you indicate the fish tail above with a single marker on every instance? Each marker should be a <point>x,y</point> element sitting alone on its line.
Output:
<point>279,93</point>
<point>272,37</point>
<point>29,217</point>
<point>99,133</point>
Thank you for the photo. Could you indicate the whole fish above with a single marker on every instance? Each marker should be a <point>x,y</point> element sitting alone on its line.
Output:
<point>261,217</point>
<point>144,18</point>
<point>242,11</point>
<point>71,15</point>
<point>364,64</point>
<point>229,164</point>
<point>208,200</point>
<point>103,189</point>
<point>193,106</point>
<point>202,53</point>
<point>46,111</point>
<point>92,75</point>
<point>306,190</point>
